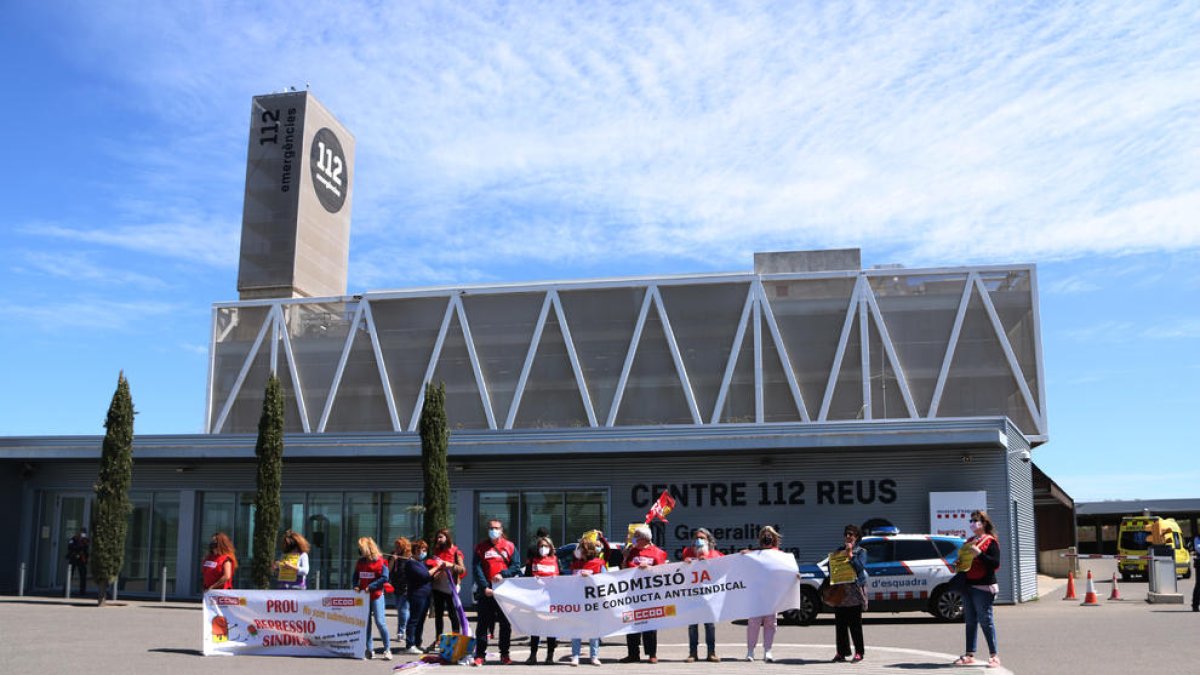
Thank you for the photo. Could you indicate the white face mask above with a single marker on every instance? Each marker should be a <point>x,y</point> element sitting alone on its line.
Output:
<point>494,533</point>
<point>700,544</point>
<point>544,551</point>
<point>976,526</point>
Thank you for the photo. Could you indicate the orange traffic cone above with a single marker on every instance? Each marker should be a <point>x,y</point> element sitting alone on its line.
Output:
<point>1116,590</point>
<point>1070,587</point>
<point>1089,597</point>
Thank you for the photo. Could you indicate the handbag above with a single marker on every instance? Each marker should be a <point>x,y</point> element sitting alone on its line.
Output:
<point>832,595</point>
<point>958,582</point>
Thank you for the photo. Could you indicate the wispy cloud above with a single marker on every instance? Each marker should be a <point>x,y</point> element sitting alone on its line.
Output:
<point>208,244</point>
<point>556,132</point>
<point>84,268</point>
<point>87,313</point>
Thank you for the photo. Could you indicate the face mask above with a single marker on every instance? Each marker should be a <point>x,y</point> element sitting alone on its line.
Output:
<point>544,551</point>
<point>976,526</point>
<point>700,544</point>
<point>212,546</point>
<point>766,542</point>
<point>421,555</point>
<point>494,534</point>
<point>578,553</point>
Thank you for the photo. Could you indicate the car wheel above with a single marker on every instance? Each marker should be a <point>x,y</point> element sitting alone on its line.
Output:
<point>1188,574</point>
<point>1126,576</point>
<point>947,605</point>
<point>810,606</point>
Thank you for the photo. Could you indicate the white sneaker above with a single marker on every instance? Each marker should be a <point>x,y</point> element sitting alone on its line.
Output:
<point>595,660</point>
<point>750,655</point>
<point>387,655</point>
<point>574,661</point>
<point>767,656</point>
<point>413,650</point>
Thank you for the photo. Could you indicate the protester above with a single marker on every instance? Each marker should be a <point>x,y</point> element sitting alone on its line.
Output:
<point>704,547</point>
<point>220,563</point>
<point>980,556</point>
<point>848,611</point>
<point>291,571</point>
<point>419,587</point>
<point>372,577</point>
<point>588,561</point>
<point>644,554</point>
<point>77,557</point>
<point>446,566</point>
<point>496,559</point>
<point>543,563</point>
<point>768,539</point>
<point>401,552</point>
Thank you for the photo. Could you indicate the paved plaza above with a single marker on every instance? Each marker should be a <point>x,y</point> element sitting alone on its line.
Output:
<point>52,635</point>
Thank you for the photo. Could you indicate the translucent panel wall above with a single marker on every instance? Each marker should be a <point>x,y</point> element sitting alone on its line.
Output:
<point>884,344</point>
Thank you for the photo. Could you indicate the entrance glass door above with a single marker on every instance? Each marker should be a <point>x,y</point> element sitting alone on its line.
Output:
<point>61,517</point>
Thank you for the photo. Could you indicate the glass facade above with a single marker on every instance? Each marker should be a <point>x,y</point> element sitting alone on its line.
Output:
<point>880,344</point>
<point>566,514</point>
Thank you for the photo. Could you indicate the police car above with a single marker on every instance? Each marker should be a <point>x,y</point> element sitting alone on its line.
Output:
<point>905,573</point>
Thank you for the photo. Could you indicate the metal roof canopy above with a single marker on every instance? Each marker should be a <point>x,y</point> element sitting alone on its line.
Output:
<point>850,435</point>
<point>1133,507</point>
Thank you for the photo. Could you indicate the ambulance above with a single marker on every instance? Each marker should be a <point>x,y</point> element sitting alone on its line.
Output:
<point>1134,539</point>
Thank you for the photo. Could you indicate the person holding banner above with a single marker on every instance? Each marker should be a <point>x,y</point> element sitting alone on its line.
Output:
<point>704,547</point>
<point>543,564</point>
<point>768,540</point>
<point>642,553</point>
<point>848,572</point>
<point>372,576</point>
<point>419,586</point>
<point>496,559</point>
<point>220,563</point>
<point>291,571</point>
<point>401,552</point>
<point>445,559</point>
<point>588,561</point>
<point>978,558</point>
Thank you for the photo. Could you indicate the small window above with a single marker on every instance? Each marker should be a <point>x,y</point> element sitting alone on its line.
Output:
<point>945,547</point>
<point>879,550</point>
<point>914,549</point>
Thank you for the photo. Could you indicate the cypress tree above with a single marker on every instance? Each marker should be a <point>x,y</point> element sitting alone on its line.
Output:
<point>267,504</point>
<point>112,491</point>
<point>435,439</point>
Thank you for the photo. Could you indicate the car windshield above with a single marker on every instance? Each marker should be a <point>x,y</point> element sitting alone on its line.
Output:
<point>1134,540</point>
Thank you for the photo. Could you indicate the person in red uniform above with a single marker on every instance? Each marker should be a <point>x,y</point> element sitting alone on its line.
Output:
<point>371,576</point>
<point>644,554</point>
<point>543,564</point>
<point>703,547</point>
<point>588,560</point>
<point>220,563</point>
<point>496,559</point>
<point>446,567</point>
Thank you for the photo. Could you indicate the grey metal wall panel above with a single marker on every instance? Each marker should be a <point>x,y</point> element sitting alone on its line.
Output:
<point>1024,532</point>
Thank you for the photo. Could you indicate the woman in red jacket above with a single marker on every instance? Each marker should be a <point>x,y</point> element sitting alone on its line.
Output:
<point>544,564</point>
<point>220,563</point>
<point>588,560</point>
<point>980,556</point>
<point>642,554</point>
<point>371,575</point>
<point>703,547</point>
<point>446,567</point>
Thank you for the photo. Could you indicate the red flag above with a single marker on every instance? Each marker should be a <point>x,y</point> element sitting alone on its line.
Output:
<point>661,508</point>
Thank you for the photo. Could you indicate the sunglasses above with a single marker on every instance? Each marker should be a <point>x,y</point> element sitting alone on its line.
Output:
<point>975,520</point>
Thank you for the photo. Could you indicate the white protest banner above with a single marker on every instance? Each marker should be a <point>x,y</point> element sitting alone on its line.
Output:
<point>949,512</point>
<point>285,623</point>
<point>722,589</point>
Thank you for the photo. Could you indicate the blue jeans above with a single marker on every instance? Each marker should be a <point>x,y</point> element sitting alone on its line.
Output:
<point>401,612</point>
<point>977,610</point>
<point>577,646</point>
<point>710,638</point>
<point>379,616</point>
<point>418,607</point>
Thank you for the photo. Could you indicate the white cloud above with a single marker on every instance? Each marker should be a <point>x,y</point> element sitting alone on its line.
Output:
<point>205,243</point>
<point>85,313</point>
<point>84,268</point>
<point>701,132</point>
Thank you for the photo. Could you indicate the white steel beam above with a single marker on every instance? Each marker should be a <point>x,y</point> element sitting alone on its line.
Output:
<point>731,364</point>
<point>759,414</point>
<point>268,323</point>
<point>1009,354</point>
<point>680,368</point>
<point>886,338</point>
<point>484,397</point>
<point>433,359</point>
<point>525,368</point>
<point>384,380</point>
<point>275,340</point>
<point>831,384</point>
<point>633,344</point>
<point>864,339</point>
<point>341,368</point>
<point>212,366</point>
<point>574,356</point>
<point>1037,347</point>
<point>292,370</point>
<point>951,346</point>
<point>781,350</point>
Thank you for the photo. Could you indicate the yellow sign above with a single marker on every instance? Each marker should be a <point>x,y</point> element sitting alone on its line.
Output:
<point>966,556</point>
<point>287,573</point>
<point>840,569</point>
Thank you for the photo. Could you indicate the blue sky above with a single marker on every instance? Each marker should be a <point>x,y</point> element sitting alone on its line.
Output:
<point>524,141</point>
